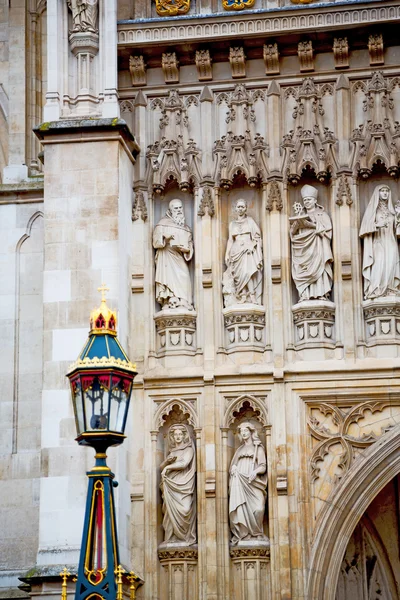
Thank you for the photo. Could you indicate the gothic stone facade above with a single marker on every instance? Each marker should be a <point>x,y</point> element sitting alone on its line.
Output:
<point>130,110</point>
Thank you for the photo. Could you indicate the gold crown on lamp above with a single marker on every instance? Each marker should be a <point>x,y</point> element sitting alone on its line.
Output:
<point>103,319</point>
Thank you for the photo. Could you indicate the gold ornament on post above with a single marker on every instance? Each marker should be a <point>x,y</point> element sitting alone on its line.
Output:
<point>133,579</point>
<point>237,4</point>
<point>302,1</point>
<point>64,576</point>
<point>171,8</point>
<point>119,571</point>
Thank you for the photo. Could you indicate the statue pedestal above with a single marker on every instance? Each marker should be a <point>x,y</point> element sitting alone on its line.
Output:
<point>382,320</point>
<point>178,578</point>
<point>251,576</point>
<point>176,331</point>
<point>244,327</point>
<point>85,47</point>
<point>314,323</point>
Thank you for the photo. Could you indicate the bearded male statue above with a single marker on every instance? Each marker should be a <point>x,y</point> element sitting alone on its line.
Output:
<point>84,15</point>
<point>173,240</point>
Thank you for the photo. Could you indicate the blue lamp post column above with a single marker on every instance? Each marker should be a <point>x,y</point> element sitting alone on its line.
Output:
<point>101,386</point>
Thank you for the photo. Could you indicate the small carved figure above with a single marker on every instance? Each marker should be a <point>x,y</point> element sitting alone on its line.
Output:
<point>247,487</point>
<point>242,280</point>
<point>379,228</point>
<point>84,15</point>
<point>178,487</point>
<point>311,234</point>
<point>172,239</point>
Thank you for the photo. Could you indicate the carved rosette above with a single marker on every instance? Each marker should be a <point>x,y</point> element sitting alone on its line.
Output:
<point>382,320</point>
<point>251,571</point>
<point>314,322</point>
<point>176,332</point>
<point>178,572</point>
<point>244,327</point>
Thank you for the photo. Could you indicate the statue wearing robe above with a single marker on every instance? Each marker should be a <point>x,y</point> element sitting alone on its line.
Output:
<point>178,487</point>
<point>84,15</point>
<point>247,487</point>
<point>311,234</point>
<point>172,239</point>
<point>379,228</point>
<point>242,280</point>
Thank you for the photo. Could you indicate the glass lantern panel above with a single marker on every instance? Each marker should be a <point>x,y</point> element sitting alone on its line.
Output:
<point>96,405</point>
<point>78,405</point>
<point>118,404</point>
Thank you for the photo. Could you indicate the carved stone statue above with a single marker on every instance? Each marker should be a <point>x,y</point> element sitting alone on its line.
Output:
<point>173,241</point>
<point>84,15</point>
<point>379,228</point>
<point>242,280</point>
<point>311,235</point>
<point>178,487</point>
<point>247,487</point>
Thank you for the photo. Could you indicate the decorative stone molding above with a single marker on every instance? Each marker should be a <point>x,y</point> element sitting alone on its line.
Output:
<point>271,59</point>
<point>377,139</point>
<point>240,151</point>
<point>310,143</point>
<point>251,571</point>
<point>249,407</point>
<point>203,65</point>
<point>137,69</point>
<point>183,410</point>
<point>139,208</point>
<point>306,56</point>
<point>126,106</point>
<point>341,53</point>
<point>344,191</point>
<point>327,17</point>
<point>178,553</point>
<point>172,8</point>
<point>244,327</point>
<point>206,203</point>
<point>382,320</point>
<point>84,42</point>
<point>314,322</point>
<point>375,48</point>
<point>178,577</point>
<point>237,59</point>
<point>176,331</point>
<point>172,157</point>
<point>250,551</point>
<point>274,196</point>
<point>170,67</point>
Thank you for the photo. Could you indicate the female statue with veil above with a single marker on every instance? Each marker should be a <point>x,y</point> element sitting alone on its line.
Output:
<point>178,487</point>
<point>379,230</point>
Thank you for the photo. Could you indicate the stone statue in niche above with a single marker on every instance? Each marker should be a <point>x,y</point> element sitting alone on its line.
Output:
<point>84,15</point>
<point>173,240</point>
<point>379,229</point>
<point>247,487</point>
<point>178,487</point>
<point>242,280</point>
<point>311,235</point>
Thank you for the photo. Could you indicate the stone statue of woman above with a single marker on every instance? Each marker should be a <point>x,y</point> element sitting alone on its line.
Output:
<point>311,234</point>
<point>242,280</point>
<point>178,487</point>
<point>379,230</point>
<point>247,487</point>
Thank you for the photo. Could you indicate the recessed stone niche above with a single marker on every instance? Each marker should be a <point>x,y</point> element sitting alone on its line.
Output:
<point>314,322</point>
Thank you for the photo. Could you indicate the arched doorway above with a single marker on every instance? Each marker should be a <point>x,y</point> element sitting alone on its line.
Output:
<point>378,466</point>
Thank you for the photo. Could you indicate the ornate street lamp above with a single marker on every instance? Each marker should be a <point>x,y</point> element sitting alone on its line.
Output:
<point>101,386</point>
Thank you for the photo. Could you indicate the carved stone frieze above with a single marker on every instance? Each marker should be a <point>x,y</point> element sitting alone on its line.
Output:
<point>341,53</point>
<point>375,48</point>
<point>170,67</point>
<point>176,332</point>
<point>190,553</point>
<point>243,552</point>
<point>203,65</point>
<point>377,138</point>
<point>172,156</point>
<point>271,59</point>
<point>314,322</point>
<point>137,69</point>
<point>241,151</point>
<point>237,59</point>
<point>206,203</point>
<point>344,192</point>
<point>306,56</point>
<point>310,143</point>
<point>139,208</point>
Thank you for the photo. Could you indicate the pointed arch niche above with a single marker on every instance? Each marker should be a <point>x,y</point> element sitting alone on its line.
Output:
<point>371,489</point>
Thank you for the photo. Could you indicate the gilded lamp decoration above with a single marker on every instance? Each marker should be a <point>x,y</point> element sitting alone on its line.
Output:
<point>101,385</point>
<point>171,8</point>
